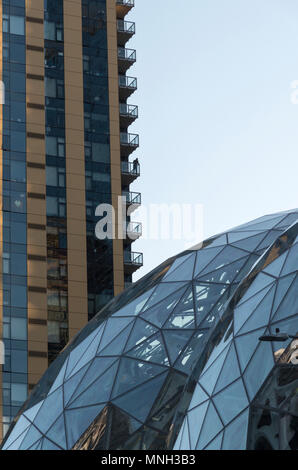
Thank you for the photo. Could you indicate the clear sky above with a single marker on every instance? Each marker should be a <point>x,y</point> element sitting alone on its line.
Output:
<point>217,125</point>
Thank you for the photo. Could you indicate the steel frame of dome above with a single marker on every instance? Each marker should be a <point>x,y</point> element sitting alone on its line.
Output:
<point>174,362</point>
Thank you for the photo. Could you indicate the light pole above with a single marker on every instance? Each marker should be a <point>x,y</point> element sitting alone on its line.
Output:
<point>278,337</point>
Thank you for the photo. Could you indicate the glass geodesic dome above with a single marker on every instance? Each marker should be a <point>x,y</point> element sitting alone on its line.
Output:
<point>175,361</point>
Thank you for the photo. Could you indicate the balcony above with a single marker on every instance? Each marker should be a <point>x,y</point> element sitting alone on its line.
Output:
<point>126,58</point>
<point>127,86</point>
<point>133,231</point>
<point>125,31</point>
<point>128,114</point>
<point>132,261</point>
<point>134,200</point>
<point>123,7</point>
<point>129,143</point>
<point>129,172</point>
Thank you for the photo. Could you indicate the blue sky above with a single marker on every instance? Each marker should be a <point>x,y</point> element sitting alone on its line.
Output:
<point>217,125</point>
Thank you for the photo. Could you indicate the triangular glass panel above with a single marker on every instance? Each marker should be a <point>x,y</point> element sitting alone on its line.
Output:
<point>291,261</point>
<point>59,379</point>
<point>251,243</point>
<point>283,286</point>
<point>219,241</point>
<point>288,220</point>
<point>182,442</point>
<point>261,281</point>
<point>53,402</point>
<point>229,372</point>
<point>246,346</point>
<point>261,314</point>
<point>227,256</point>
<point>98,392</point>
<point>275,267</point>
<point>132,373</point>
<point>115,348</point>
<point>136,306</point>
<point>15,445</point>
<point>113,328</point>
<point>144,396</point>
<point>231,401</point>
<point>20,429</point>
<point>71,384</point>
<point>78,420</point>
<point>32,436</point>
<point>225,274</point>
<point>159,314</point>
<point>245,309</point>
<point>176,341</point>
<point>195,419</point>
<point>57,432</point>
<point>162,291</point>
<point>258,368</point>
<point>98,367</point>
<point>212,426</point>
<point>265,223</point>
<point>216,443</point>
<point>205,257</point>
<point>79,350</point>
<point>181,271</point>
<point>235,237</point>
<point>141,331</point>
<point>32,412</point>
<point>89,354</point>
<point>152,349</point>
<point>199,396</point>
<point>270,238</point>
<point>36,446</point>
<point>236,433</point>
<point>48,445</point>
<point>209,378</point>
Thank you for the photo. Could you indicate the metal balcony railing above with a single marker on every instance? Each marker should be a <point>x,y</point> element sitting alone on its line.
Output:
<point>133,258</point>
<point>127,82</point>
<point>131,168</point>
<point>132,197</point>
<point>129,110</point>
<point>131,140</point>
<point>128,27</point>
<point>134,230</point>
<point>127,54</point>
<point>130,3</point>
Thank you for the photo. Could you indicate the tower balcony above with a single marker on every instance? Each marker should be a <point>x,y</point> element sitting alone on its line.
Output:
<point>133,230</point>
<point>127,86</point>
<point>130,171</point>
<point>129,143</point>
<point>125,31</point>
<point>126,58</point>
<point>128,114</point>
<point>123,7</point>
<point>132,261</point>
<point>133,200</point>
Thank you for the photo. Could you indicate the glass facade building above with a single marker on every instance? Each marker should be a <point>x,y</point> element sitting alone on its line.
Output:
<point>66,148</point>
<point>175,361</point>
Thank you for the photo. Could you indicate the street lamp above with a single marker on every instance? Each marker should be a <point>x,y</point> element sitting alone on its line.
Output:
<point>278,337</point>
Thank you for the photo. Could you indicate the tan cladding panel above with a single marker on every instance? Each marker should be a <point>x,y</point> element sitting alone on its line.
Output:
<point>36,185</point>
<point>75,168</point>
<point>115,138</point>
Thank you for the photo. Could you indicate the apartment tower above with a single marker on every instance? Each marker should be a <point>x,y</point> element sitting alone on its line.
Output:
<point>66,149</point>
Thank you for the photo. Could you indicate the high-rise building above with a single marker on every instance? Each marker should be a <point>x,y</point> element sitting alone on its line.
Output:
<point>65,149</point>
